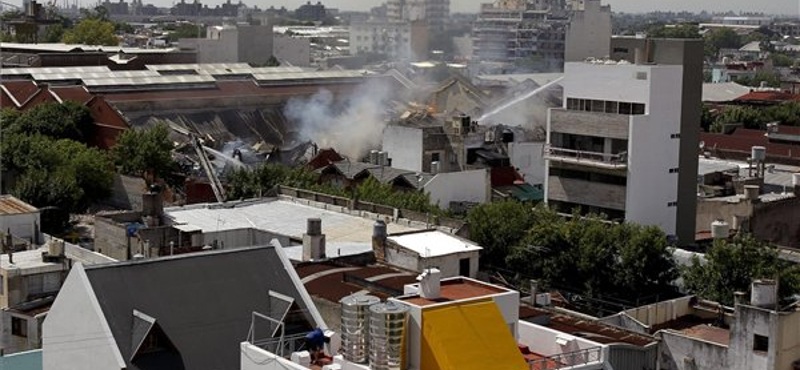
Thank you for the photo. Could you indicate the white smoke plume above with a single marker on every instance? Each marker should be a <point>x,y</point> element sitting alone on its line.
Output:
<point>352,124</point>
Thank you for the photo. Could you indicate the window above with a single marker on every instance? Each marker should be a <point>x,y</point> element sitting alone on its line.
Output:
<point>19,327</point>
<point>760,343</point>
<point>675,136</point>
<point>435,157</point>
<point>672,204</point>
<point>641,75</point>
<point>673,170</point>
<point>638,109</point>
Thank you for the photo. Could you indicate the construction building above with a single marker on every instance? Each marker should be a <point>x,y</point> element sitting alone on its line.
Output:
<point>625,142</point>
<point>541,34</point>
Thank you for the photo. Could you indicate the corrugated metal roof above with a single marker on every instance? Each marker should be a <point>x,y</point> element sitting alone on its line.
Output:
<point>723,92</point>
<point>266,77</point>
<point>197,66</point>
<point>152,80</point>
<point>10,205</point>
<point>53,70</point>
<point>92,75</point>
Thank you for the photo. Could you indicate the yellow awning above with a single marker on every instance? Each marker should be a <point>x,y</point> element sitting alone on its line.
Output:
<point>468,336</point>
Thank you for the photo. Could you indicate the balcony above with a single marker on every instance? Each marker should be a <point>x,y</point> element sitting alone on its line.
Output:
<point>586,158</point>
<point>615,126</point>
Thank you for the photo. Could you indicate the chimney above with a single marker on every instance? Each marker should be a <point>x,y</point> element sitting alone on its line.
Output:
<point>153,205</point>
<point>379,240</point>
<point>430,283</point>
<point>751,192</point>
<point>313,241</point>
<point>534,290</point>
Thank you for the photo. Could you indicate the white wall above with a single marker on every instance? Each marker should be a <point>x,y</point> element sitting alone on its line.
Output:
<point>295,50</point>
<point>22,225</point>
<point>605,82</point>
<point>449,265</point>
<point>467,186</point>
<point>404,145</point>
<point>529,158</point>
<point>542,340</point>
<point>75,335</point>
<point>652,153</point>
<point>254,358</point>
<point>589,33</point>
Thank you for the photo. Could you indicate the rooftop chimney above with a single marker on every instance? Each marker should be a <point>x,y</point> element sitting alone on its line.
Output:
<point>153,205</point>
<point>379,240</point>
<point>430,283</point>
<point>751,192</point>
<point>313,241</point>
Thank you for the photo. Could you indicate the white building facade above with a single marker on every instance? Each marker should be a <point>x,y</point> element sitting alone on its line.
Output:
<point>614,146</point>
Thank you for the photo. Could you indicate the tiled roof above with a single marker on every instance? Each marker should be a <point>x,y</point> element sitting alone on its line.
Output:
<point>768,96</point>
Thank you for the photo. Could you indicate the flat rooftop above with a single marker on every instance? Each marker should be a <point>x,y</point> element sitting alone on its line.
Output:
<point>455,290</point>
<point>279,216</point>
<point>333,282</point>
<point>10,205</point>
<point>582,327</point>
<point>29,262</point>
<point>709,333</point>
<point>434,243</point>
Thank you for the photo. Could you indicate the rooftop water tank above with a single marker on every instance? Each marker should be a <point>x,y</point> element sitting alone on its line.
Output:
<point>387,335</point>
<point>764,293</point>
<point>355,327</point>
<point>758,153</point>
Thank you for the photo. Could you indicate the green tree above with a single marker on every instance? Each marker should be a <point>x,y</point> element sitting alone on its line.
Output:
<point>681,31</point>
<point>771,79</point>
<point>721,38</point>
<point>92,31</point>
<point>498,227</point>
<point>53,33</point>
<point>140,150</point>
<point>61,121</point>
<point>749,117</point>
<point>185,31</point>
<point>732,266</point>
<point>782,60</point>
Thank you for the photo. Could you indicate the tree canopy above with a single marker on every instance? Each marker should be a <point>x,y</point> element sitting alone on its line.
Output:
<point>92,31</point>
<point>682,31</point>
<point>731,266</point>
<point>721,38</point>
<point>141,150</point>
<point>51,168</point>
<point>756,118</point>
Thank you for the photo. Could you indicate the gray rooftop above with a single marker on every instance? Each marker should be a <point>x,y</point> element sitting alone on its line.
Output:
<point>282,217</point>
<point>201,303</point>
<point>723,92</point>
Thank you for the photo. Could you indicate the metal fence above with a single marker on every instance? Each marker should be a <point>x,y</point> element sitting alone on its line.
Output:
<point>611,160</point>
<point>569,359</point>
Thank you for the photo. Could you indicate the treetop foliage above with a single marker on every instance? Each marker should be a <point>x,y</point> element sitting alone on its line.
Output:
<point>139,150</point>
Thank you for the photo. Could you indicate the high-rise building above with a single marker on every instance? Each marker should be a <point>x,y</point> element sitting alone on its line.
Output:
<point>538,33</point>
<point>625,141</point>
<point>434,12</point>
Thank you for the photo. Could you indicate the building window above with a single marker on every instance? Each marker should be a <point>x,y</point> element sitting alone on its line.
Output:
<point>19,327</point>
<point>673,170</point>
<point>675,136</point>
<point>463,267</point>
<point>672,204</point>
<point>435,157</point>
<point>641,75</point>
<point>638,109</point>
<point>760,343</point>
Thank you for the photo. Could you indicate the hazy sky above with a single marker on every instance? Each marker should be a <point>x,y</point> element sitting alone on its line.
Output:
<point>791,7</point>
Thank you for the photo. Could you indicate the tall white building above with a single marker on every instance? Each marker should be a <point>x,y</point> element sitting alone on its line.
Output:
<point>395,40</point>
<point>434,12</point>
<point>625,141</point>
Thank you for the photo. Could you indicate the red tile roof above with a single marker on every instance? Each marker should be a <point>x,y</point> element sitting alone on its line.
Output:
<point>77,94</point>
<point>324,158</point>
<point>743,140</point>
<point>21,91</point>
<point>754,96</point>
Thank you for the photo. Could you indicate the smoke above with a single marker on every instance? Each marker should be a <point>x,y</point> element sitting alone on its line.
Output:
<point>352,124</point>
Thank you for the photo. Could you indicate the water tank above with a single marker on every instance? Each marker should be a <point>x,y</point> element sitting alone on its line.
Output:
<point>764,293</point>
<point>435,167</point>
<point>758,153</point>
<point>720,229</point>
<point>379,229</point>
<point>56,248</point>
<point>387,326</point>
<point>373,157</point>
<point>355,327</point>
<point>508,136</point>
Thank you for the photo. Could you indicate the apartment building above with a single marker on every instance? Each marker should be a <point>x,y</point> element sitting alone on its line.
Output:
<point>541,33</point>
<point>397,40</point>
<point>625,141</point>
<point>434,12</point>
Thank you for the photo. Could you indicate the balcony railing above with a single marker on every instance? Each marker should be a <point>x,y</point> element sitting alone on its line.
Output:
<point>570,359</point>
<point>605,160</point>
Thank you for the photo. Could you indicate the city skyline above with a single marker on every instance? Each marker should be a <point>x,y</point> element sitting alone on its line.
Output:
<point>773,7</point>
